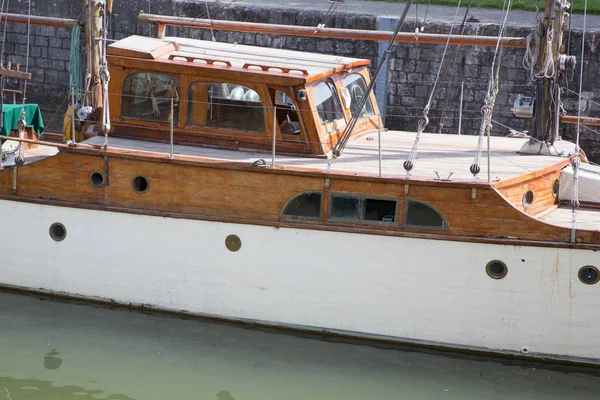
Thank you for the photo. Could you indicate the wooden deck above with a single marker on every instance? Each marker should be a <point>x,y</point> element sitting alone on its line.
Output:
<point>587,218</point>
<point>437,152</point>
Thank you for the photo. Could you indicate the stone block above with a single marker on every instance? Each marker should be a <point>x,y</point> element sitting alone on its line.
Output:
<point>58,65</point>
<point>41,41</point>
<point>51,77</point>
<point>55,42</point>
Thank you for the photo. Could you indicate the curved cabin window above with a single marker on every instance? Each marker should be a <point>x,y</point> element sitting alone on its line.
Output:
<point>225,106</point>
<point>354,208</point>
<point>305,205</point>
<point>421,215</point>
<point>327,102</point>
<point>357,88</point>
<point>147,95</point>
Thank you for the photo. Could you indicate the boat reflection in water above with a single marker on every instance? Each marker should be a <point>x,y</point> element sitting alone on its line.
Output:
<point>55,350</point>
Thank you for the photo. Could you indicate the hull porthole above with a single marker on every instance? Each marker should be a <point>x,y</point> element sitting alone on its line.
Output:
<point>58,232</point>
<point>233,243</point>
<point>589,275</point>
<point>496,269</point>
<point>97,179</point>
<point>528,199</point>
<point>140,184</point>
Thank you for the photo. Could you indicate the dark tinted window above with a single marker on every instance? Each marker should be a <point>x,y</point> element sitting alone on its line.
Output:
<point>306,205</point>
<point>363,209</point>
<point>148,96</point>
<point>380,210</point>
<point>422,215</point>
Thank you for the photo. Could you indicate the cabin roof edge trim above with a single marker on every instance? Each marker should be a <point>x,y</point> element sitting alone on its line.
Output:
<point>207,54</point>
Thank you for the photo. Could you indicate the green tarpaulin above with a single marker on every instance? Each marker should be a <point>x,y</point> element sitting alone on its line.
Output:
<point>12,114</point>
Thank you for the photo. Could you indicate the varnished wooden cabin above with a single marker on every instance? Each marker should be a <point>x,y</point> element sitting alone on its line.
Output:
<point>224,94</point>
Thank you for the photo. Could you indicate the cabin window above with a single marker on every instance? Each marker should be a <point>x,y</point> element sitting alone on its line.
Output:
<point>357,88</point>
<point>147,95</point>
<point>305,205</point>
<point>422,215</point>
<point>225,106</point>
<point>327,102</point>
<point>355,208</point>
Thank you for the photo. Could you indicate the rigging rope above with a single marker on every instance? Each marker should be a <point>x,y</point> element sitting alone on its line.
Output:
<point>332,8</point>
<point>343,140</point>
<point>576,161</point>
<point>22,122</point>
<point>490,99</point>
<point>75,59</point>
<point>3,79</point>
<point>451,66</point>
<point>424,120</point>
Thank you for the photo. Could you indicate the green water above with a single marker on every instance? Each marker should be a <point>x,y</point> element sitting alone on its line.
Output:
<point>52,350</point>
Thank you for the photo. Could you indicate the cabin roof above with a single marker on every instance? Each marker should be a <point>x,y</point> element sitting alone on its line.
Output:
<point>202,53</point>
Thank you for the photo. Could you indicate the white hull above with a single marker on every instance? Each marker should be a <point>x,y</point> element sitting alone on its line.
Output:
<point>405,289</point>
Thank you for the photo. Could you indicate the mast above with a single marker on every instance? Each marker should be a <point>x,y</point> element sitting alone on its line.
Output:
<point>551,66</point>
<point>93,46</point>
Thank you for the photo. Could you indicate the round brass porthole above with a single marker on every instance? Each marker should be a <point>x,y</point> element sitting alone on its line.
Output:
<point>97,179</point>
<point>496,269</point>
<point>528,199</point>
<point>589,275</point>
<point>140,184</point>
<point>233,243</point>
<point>555,188</point>
<point>58,232</point>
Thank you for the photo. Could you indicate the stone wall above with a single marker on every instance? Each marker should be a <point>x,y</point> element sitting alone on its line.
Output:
<point>410,73</point>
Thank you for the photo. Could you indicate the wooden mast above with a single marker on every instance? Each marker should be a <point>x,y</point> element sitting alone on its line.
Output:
<point>93,28</point>
<point>547,106</point>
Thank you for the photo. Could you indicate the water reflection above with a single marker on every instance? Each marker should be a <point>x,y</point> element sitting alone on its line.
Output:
<point>51,361</point>
<point>31,389</point>
<point>53,350</point>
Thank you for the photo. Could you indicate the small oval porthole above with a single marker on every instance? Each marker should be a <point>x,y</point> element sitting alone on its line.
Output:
<point>589,275</point>
<point>140,184</point>
<point>233,243</point>
<point>496,269</point>
<point>58,232</point>
<point>527,199</point>
<point>555,188</point>
<point>97,179</point>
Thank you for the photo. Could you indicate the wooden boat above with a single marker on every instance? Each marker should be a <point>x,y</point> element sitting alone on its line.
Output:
<point>212,195</point>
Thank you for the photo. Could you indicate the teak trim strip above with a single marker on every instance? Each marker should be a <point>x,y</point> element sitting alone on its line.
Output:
<point>162,22</point>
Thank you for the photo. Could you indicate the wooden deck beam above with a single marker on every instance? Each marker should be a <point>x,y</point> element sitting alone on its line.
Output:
<point>161,22</point>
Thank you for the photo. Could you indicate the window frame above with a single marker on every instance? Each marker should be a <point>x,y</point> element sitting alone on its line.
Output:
<point>289,92</point>
<point>407,200</point>
<point>300,218</point>
<point>363,198</point>
<point>333,126</point>
<point>146,120</point>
